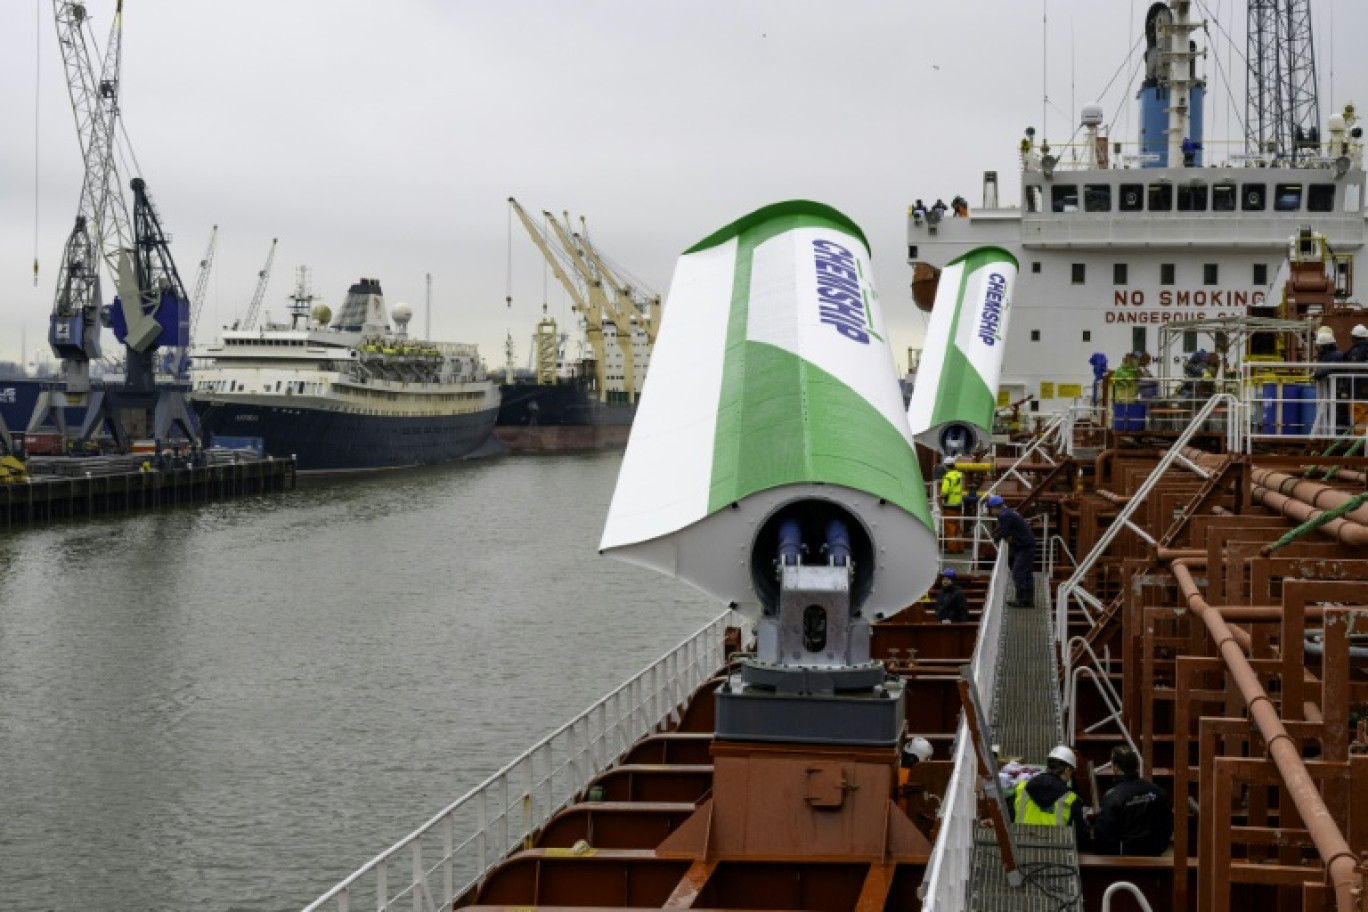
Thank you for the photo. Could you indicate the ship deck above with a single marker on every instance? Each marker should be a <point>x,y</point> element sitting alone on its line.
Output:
<point>1197,611</point>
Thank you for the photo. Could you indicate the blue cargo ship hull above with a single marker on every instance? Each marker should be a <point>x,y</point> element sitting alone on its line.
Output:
<point>338,441</point>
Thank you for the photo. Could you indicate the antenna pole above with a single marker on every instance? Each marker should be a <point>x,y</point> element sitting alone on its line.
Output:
<point>1044,69</point>
<point>427,317</point>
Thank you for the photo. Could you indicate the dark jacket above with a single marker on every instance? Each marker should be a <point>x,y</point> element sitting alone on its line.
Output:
<point>1012,528</point>
<point>1328,355</point>
<point>1358,352</point>
<point>1135,819</point>
<point>951,604</point>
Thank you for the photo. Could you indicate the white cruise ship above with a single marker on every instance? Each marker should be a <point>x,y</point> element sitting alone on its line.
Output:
<point>350,394</point>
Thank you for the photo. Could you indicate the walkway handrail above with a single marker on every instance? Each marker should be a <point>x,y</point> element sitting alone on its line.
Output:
<point>512,804</point>
<point>1101,681</point>
<point>948,874</point>
<point>1055,422</point>
<point>1072,588</point>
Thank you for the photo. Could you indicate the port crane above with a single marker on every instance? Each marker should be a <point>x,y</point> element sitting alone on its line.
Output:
<point>263,279</point>
<point>632,298</point>
<point>590,311</point>
<point>626,308</point>
<point>151,310</point>
<point>206,266</point>
<point>101,226</point>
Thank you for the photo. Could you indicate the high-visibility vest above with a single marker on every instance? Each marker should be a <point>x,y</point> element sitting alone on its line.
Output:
<point>952,488</point>
<point>1027,811</point>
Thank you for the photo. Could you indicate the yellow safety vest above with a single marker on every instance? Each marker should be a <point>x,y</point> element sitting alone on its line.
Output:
<point>1027,811</point>
<point>952,488</point>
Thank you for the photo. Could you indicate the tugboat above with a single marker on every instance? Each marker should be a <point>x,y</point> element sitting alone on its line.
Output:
<point>345,394</point>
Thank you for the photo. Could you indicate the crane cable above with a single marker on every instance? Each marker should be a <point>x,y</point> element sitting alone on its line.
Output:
<point>508,263</point>
<point>37,111</point>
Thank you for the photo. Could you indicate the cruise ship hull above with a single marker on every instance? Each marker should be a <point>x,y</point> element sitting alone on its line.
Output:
<point>323,440</point>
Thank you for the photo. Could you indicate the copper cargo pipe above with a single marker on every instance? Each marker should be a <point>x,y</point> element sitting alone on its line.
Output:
<point>1313,493</point>
<point>1202,457</point>
<point>1351,533</point>
<point>1340,862</point>
<point>1118,499</point>
<point>1191,555</point>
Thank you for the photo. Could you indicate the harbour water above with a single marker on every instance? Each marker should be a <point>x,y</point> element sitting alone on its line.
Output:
<point>231,707</point>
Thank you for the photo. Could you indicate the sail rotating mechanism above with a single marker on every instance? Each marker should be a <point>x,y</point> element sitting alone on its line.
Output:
<point>956,393</point>
<point>772,421</point>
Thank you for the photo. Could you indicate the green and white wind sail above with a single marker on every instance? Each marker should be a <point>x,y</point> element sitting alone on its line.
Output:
<point>773,393</point>
<point>955,395</point>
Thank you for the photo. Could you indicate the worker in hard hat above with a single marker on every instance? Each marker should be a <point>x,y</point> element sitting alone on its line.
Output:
<point>911,787</point>
<point>1126,379</point>
<point>952,506</point>
<point>1328,389</point>
<point>1048,798</point>
<point>1195,369</point>
<point>951,605</point>
<point>1015,531</point>
<point>1358,348</point>
<point>1327,351</point>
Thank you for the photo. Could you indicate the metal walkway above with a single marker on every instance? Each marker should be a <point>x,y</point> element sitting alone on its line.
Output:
<point>1027,724</point>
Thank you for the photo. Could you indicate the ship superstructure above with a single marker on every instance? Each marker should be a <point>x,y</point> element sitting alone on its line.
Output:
<point>1116,240</point>
<point>347,394</point>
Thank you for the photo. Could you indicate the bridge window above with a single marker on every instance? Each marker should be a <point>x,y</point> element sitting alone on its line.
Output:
<point>1260,273</point>
<point>1321,198</point>
<point>1035,335</point>
<point>1166,273</point>
<point>1210,273</point>
<point>1079,273</point>
<point>1192,198</point>
<point>1138,339</point>
<point>1252,197</point>
<point>1097,198</point>
<point>1119,274</point>
<point>1064,198</point>
<point>1132,198</point>
<point>1288,198</point>
<point>1160,197</point>
<point>1223,198</point>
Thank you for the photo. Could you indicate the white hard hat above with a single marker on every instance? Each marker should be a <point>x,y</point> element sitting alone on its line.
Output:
<point>1359,332</point>
<point>1325,336</point>
<point>1063,753</point>
<point>919,748</point>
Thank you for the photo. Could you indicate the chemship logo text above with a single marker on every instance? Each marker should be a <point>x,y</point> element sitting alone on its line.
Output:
<point>994,301</point>
<point>842,295</point>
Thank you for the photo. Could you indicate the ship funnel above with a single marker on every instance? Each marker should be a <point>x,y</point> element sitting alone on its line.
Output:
<point>771,419</point>
<point>956,393</point>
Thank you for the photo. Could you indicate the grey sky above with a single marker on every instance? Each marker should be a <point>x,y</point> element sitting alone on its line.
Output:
<point>382,138</point>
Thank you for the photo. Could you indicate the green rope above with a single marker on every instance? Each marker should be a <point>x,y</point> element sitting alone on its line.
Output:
<point>1353,448</point>
<point>1312,525</point>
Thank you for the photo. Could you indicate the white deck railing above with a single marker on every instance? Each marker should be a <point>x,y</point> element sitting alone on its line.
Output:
<point>946,887</point>
<point>429,868</point>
